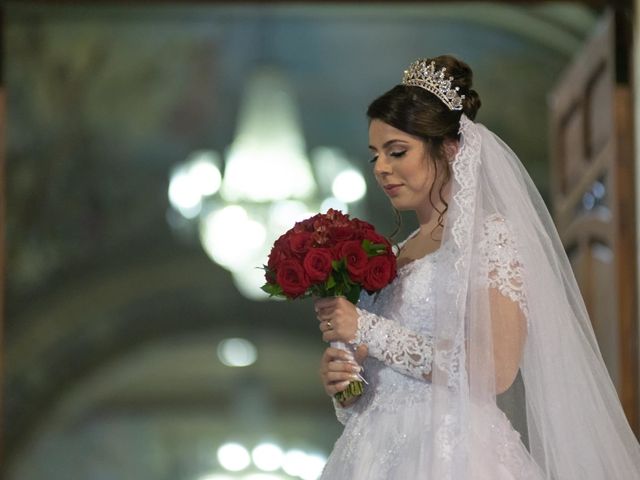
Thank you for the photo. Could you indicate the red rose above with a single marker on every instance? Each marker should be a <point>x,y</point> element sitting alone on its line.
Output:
<point>317,264</point>
<point>378,274</point>
<point>274,260</point>
<point>355,258</point>
<point>300,242</point>
<point>303,226</point>
<point>342,234</point>
<point>280,251</point>
<point>292,278</point>
<point>361,224</point>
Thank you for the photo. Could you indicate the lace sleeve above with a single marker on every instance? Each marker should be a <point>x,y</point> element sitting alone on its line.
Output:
<point>398,347</point>
<point>503,267</point>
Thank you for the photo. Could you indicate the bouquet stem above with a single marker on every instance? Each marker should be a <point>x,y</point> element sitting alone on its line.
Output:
<point>356,387</point>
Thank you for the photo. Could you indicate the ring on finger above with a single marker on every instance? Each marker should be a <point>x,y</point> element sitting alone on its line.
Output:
<point>329,326</point>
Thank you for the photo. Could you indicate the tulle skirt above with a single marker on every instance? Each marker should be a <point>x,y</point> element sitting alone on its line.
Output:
<point>399,445</point>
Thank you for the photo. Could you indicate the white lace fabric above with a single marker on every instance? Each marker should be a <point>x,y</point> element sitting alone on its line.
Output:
<point>503,266</point>
<point>396,346</point>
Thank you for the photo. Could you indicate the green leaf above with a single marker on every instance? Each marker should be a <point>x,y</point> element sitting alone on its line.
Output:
<point>337,264</point>
<point>366,246</point>
<point>272,289</point>
<point>373,249</point>
<point>353,295</point>
<point>331,282</point>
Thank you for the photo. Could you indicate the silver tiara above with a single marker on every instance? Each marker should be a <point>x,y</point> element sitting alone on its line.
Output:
<point>424,75</point>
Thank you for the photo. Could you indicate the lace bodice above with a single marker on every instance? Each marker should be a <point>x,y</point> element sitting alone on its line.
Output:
<point>396,324</point>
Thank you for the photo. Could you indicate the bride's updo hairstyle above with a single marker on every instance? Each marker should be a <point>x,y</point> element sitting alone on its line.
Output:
<point>420,113</point>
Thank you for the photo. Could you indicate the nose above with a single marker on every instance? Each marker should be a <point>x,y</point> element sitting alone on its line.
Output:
<point>382,166</point>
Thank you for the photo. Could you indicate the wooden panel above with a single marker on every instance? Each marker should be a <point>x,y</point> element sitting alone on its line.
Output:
<point>603,310</point>
<point>3,125</point>
<point>573,152</point>
<point>627,253</point>
<point>599,125</point>
<point>2,255</point>
<point>593,202</point>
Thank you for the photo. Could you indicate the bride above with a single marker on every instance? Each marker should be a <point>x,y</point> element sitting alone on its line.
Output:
<point>484,291</point>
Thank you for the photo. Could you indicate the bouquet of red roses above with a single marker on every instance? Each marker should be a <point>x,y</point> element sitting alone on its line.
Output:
<point>330,255</point>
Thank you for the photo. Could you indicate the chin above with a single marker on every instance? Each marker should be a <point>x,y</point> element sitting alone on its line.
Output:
<point>401,206</point>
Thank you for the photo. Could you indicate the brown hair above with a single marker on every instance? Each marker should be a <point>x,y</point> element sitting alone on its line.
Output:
<point>420,113</point>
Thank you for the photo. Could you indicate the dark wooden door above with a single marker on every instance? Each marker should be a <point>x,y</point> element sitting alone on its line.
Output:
<point>593,201</point>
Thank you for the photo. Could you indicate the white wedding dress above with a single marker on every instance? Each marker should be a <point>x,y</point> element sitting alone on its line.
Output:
<point>388,432</point>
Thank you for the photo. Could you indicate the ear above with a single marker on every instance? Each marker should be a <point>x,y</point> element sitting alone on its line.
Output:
<point>450,146</point>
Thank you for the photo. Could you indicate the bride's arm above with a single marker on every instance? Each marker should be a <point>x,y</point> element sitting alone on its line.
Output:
<point>509,332</point>
<point>411,353</point>
<point>398,347</point>
<point>507,302</point>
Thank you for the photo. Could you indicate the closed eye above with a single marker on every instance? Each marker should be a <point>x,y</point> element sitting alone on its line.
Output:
<point>393,154</point>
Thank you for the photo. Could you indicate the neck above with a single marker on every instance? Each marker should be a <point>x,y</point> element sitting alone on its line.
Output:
<point>428,216</point>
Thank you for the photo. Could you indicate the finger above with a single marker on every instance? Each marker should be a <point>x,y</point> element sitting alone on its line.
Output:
<point>338,387</point>
<point>330,336</point>
<point>324,316</point>
<point>339,366</point>
<point>325,302</point>
<point>337,354</point>
<point>332,378</point>
<point>336,377</point>
<point>326,326</point>
<point>342,366</point>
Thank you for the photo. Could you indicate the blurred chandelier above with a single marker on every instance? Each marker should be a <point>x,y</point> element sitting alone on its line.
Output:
<point>269,183</point>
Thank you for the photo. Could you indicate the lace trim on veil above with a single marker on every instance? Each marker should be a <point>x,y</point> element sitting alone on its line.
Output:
<point>448,356</point>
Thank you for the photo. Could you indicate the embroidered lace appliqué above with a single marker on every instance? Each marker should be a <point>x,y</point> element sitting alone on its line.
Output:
<point>396,346</point>
<point>501,261</point>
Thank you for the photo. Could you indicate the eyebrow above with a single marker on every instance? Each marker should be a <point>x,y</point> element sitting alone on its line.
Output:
<point>389,142</point>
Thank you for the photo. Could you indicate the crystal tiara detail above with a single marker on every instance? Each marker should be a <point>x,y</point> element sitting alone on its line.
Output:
<point>424,75</point>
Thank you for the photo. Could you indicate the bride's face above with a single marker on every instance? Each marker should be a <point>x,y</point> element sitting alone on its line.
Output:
<point>402,166</point>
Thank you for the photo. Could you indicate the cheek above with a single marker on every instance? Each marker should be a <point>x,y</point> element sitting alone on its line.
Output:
<point>423,177</point>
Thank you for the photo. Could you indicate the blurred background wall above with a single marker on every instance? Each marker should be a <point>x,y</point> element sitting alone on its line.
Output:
<point>116,365</point>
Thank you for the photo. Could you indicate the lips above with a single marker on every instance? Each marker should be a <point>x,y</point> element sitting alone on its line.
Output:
<point>392,188</point>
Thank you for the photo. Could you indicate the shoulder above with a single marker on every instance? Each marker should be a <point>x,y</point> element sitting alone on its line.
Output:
<point>502,267</point>
<point>497,232</point>
<point>498,242</point>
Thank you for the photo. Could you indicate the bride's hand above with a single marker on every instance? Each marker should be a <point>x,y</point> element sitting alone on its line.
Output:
<point>338,368</point>
<point>338,319</point>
